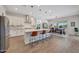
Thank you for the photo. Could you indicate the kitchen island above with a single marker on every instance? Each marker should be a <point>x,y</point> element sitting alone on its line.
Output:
<point>28,32</point>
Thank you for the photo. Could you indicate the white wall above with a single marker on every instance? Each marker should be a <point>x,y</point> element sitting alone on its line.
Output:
<point>70,30</point>
<point>73,19</point>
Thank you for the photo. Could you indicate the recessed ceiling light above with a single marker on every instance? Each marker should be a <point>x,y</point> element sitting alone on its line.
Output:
<point>38,6</point>
<point>50,11</point>
<point>16,8</point>
<point>31,13</point>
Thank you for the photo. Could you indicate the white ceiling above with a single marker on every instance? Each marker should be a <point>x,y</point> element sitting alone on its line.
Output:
<point>44,11</point>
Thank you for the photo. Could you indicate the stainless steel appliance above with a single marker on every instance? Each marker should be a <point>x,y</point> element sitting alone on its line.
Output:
<point>4,34</point>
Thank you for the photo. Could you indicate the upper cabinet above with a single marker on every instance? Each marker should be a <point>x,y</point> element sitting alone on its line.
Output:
<point>29,22</point>
<point>2,11</point>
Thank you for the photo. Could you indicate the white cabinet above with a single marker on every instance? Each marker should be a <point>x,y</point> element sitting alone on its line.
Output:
<point>2,10</point>
<point>16,24</point>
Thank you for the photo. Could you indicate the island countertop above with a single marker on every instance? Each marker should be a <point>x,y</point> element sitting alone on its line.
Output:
<point>30,30</point>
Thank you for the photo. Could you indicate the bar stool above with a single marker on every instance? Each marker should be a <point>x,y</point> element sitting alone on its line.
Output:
<point>43,35</point>
<point>40,35</point>
<point>33,37</point>
<point>49,34</point>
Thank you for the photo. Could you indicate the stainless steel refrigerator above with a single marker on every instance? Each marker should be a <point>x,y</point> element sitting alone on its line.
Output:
<point>4,34</point>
